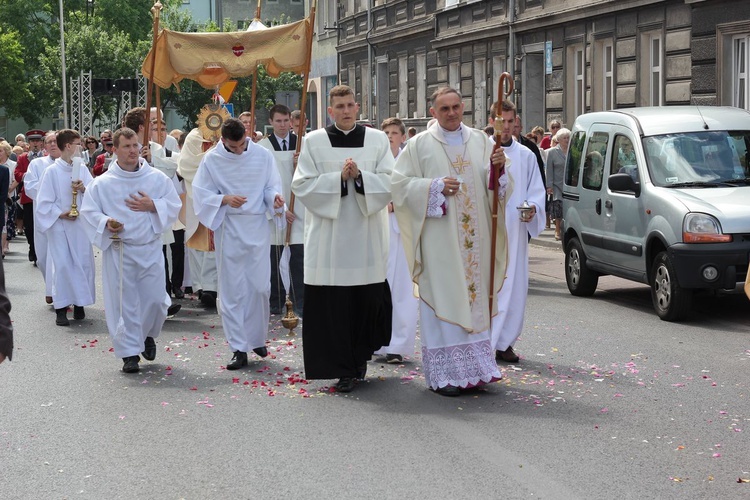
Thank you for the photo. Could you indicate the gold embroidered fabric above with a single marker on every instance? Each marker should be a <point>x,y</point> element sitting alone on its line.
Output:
<point>213,58</point>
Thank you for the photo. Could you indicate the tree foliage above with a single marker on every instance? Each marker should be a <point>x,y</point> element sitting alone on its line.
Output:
<point>12,64</point>
<point>110,38</point>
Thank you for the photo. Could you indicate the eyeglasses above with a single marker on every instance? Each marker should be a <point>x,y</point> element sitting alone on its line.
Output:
<point>554,127</point>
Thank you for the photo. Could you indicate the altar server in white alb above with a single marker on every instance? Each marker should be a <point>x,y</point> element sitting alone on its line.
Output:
<point>283,143</point>
<point>344,179</point>
<point>70,252</point>
<point>405,304</point>
<point>443,204</point>
<point>236,186</point>
<point>137,203</point>
<point>526,181</point>
<point>198,239</point>
<point>31,181</point>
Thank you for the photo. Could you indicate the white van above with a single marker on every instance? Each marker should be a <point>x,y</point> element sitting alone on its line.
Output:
<point>661,196</point>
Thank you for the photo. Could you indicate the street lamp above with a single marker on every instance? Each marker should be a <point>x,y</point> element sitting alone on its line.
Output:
<point>62,60</point>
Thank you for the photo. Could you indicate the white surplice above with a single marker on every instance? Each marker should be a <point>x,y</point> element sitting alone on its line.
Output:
<point>242,237</point>
<point>405,303</point>
<point>72,258</point>
<point>527,186</point>
<point>133,266</point>
<point>448,253</point>
<point>346,237</point>
<point>31,181</point>
<point>203,273</point>
<point>285,164</point>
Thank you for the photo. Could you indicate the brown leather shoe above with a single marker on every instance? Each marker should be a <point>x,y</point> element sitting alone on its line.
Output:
<point>507,356</point>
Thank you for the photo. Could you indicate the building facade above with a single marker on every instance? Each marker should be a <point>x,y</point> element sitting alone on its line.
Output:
<point>241,12</point>
<point>566,57</point>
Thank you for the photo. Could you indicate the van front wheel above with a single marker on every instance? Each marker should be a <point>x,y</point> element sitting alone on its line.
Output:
<point>671,302</point>
<point>581,280</point>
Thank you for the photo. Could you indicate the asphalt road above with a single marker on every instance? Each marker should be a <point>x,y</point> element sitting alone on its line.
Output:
<point>607,402</point>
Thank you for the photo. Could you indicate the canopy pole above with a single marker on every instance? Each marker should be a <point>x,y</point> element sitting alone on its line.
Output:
<point>303,106</point>
<point>155,10</point>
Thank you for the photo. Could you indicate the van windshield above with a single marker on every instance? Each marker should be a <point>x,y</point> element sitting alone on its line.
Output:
<point>699,159</point>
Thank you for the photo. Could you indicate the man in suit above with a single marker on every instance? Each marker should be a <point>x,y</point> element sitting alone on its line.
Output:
<point>283,145</point>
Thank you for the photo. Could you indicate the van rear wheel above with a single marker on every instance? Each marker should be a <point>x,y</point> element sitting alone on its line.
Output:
<point>581,280</point>
<point>671,302</point>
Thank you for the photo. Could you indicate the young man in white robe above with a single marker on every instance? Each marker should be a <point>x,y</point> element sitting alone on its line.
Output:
<point>343,178</point>
<point>156,155</point>
<point>523,172</point>
<point>70,252</point>
<point>31,181</point>
<point>443,203</point>
<point>198,239</point>
<point>237,184</point>
<point>133,203</point>
<point>282,144</point>
<point>405,304</point>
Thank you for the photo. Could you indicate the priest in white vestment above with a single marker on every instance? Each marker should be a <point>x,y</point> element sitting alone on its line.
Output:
<point>70,253</point>
<point>282,144</point>
<point>237,184</point>
<point>198,239</point>
<point>405,303</point>
<point>343,178</point>
<point>133,203</point>
<point>443,205</point>
<point>523,171</point>
<point>31,181</point>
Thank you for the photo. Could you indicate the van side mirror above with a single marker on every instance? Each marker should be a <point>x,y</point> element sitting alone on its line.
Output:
<point>624,182</point>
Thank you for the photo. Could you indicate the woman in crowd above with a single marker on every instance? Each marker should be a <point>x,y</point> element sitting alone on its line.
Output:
<point>6,175</point>
<point>555,175</point>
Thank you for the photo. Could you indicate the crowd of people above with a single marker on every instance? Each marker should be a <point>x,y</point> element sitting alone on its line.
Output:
<point>387,231</point>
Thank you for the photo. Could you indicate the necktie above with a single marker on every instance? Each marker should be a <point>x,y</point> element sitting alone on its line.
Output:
<point>283,144</point>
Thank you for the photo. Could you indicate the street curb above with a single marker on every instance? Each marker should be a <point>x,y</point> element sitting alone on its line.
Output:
<point>546,243</point>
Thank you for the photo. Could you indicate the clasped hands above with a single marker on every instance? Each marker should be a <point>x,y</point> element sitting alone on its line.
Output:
<point>350,170</point>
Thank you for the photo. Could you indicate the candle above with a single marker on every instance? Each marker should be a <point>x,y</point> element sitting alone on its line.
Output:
<point>77,169</point>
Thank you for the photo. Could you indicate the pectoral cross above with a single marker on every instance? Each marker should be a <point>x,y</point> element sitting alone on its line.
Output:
<point>460,164</point>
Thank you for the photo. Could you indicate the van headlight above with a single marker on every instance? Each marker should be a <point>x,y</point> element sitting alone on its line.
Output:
<point>703,228</point>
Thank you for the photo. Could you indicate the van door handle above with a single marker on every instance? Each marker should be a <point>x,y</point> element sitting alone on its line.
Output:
<point>608,204</point>
<point>598,206</point>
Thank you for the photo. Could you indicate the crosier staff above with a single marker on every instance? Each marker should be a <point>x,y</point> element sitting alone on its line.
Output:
<point>495,174</point>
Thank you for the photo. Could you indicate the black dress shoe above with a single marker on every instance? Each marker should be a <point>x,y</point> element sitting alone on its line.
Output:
<point>78,312</point>
<point>448,391</point>
<point>178,293</point>
<point>238,361</point>
<point>62,317</point>
<point>394,358</point>
<point>173,309</point>
<point>506,356</point>
<point>362,371</point>
<point>261,351</point>
<point>130,364</point>
<point>188,290</point>
<point>345,384</point>
<point>149,349</point>
<point>208,298</point>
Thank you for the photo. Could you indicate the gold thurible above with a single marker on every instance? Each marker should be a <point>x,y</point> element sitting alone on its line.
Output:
<point>290,320</point>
